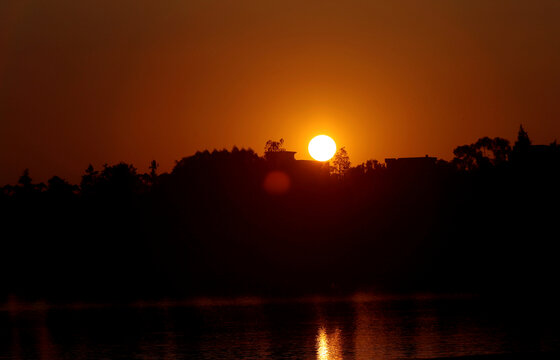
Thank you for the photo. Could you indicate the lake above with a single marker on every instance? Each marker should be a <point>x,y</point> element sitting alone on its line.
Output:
<point>359,327</point>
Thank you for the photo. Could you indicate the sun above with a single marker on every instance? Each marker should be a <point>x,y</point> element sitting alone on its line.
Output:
<point>322,148</point>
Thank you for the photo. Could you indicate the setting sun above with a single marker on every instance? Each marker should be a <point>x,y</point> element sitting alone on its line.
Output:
<point>322,148</point>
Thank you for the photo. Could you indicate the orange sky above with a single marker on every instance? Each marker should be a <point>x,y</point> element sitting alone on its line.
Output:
<point>134,80</point>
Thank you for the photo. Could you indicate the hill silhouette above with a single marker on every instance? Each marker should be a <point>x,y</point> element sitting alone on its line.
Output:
<point>232,222</point>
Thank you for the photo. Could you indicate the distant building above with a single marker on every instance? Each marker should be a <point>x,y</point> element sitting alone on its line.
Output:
<point>314,163</point>
<point>312,166</point>
<point>541,150</point>
<point>280,158</point>
<point>537,155</point>
<point>286,160</point>
<point>411,163</point>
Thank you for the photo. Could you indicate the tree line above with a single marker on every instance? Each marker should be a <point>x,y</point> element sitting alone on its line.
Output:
<point>483,222</point>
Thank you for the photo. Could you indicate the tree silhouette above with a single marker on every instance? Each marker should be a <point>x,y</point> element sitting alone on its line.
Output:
<point>374,165</point>
<point>501,150</point>
<point>26,186</point>
<point>60,187</point>
<point>119,179</point>
<point>521,149</point>
<point>151,178</point>
<point>274,146</point>
<point>465,157</point>
<point>369,167</point>
<point>523,142</point>
<point>89,178</point>
<point>341,162</point>
<point>201,230</point>
<point>484,153</point>
<point>25,180</point>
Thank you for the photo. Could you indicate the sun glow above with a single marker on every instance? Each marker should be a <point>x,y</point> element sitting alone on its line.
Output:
<point>322,148</point>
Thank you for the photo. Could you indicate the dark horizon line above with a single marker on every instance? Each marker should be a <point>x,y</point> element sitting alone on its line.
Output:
<point>280,149</point>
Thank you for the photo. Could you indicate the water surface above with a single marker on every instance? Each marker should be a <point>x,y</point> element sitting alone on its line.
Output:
<point>389,328</point>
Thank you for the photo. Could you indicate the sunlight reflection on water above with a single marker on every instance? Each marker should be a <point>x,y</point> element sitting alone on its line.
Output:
<point>323,330</point>
<point>328,345</point>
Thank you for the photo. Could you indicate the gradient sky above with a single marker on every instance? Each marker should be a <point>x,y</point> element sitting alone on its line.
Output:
<point>106,81</point>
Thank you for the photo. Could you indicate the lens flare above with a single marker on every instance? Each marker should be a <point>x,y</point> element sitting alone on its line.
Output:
<point>277,183</point>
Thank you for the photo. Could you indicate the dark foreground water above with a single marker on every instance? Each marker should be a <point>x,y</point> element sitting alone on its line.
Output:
<point>356,328</point>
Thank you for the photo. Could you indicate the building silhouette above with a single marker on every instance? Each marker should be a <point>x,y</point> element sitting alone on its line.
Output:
<point>411,163</point>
